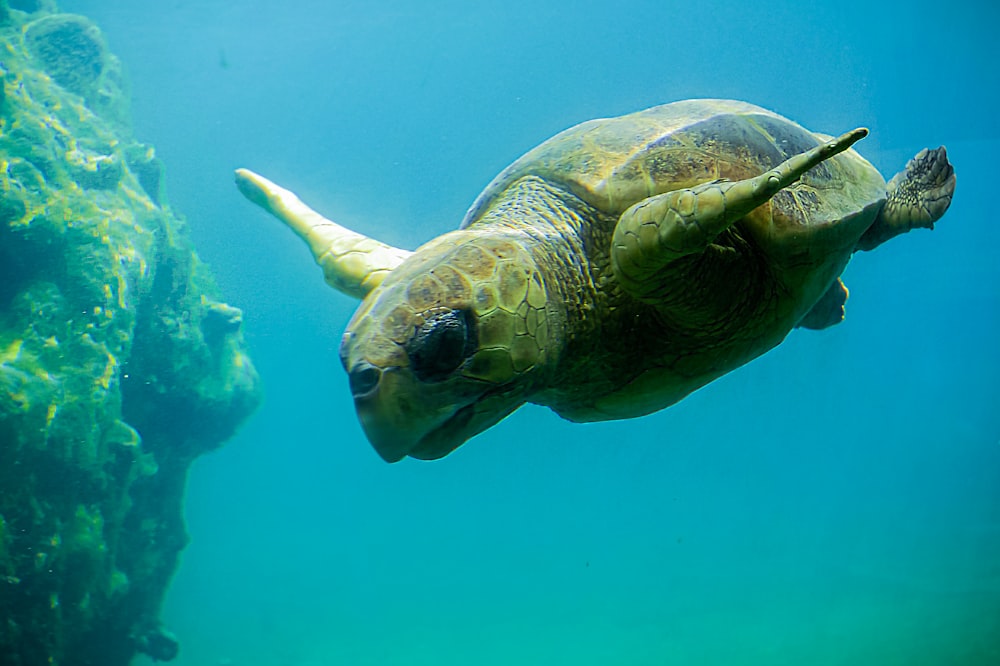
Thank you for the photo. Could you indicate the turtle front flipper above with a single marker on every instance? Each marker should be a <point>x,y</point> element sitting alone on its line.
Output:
<point>663,228</point>
<point>352,263</point>
<point>916,197</point>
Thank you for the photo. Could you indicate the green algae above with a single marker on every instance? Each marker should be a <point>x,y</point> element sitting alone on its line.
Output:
<point>119,364</point>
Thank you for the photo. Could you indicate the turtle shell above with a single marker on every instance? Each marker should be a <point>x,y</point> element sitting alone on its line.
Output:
<point>613,163</point>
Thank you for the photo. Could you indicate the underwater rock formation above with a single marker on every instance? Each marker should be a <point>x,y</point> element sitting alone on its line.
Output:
<point>118,364</point>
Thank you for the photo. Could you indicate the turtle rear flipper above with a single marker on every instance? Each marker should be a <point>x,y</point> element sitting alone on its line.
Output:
<point>917,196</point>
<point>829,310</point>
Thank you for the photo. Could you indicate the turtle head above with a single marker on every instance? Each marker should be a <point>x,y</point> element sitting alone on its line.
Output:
<point>448,340</point>
<point>450,343</point>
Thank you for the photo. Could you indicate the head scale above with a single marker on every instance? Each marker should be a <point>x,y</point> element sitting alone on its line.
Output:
<point>449,344</point>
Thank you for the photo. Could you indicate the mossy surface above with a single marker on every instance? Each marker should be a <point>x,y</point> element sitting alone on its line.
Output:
<point>118,362</point>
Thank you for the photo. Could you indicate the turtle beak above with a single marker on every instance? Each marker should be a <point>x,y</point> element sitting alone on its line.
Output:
<point>404,417</point>
<point>391,412</point>
<point>401,418</point>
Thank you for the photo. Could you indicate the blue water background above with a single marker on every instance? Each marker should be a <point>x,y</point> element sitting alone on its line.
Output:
<point>835,502</point>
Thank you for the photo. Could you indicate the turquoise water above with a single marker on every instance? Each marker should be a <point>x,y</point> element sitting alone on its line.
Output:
<point>834,502</point>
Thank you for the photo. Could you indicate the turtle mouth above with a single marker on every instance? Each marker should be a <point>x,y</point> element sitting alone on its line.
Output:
<point>400,421</point>
<point>423,441</point>
<point>401,417</point>
<point>446,437</point>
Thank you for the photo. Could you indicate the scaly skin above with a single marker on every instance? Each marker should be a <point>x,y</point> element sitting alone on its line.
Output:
<point>917,197</point>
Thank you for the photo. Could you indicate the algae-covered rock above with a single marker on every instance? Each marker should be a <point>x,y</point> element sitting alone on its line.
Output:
<point>71,51</point>
<point>119,364</point>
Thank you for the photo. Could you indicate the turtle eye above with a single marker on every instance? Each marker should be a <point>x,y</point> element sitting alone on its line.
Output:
<point>441,344</point>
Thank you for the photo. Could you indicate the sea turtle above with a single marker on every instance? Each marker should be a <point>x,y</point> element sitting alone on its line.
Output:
<point>610,271</point>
